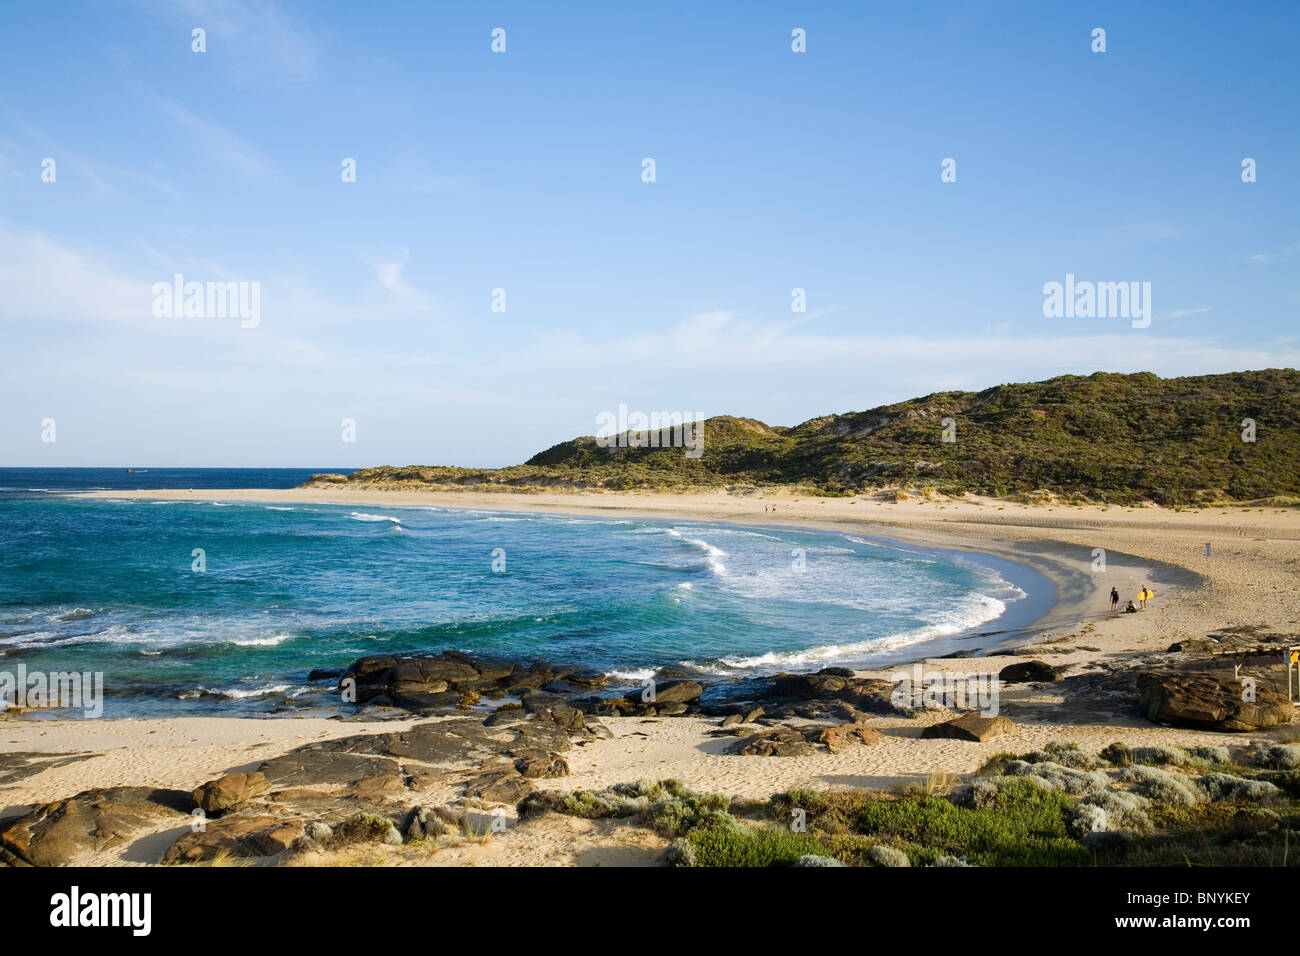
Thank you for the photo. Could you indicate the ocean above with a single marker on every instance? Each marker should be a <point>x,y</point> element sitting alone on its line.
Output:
<point>203,607</point>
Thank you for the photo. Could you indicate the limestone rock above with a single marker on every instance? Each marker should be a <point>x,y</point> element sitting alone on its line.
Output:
<point>970,727</point>
<point>59,833</point>
<point>1205,700</point>
<point>239,834</point>
<point>230,790</point>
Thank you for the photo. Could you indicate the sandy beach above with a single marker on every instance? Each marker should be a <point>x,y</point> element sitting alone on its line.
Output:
<point>1246,581</point>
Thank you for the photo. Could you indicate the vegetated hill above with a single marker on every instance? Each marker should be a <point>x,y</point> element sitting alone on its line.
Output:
<point>1103,437</point>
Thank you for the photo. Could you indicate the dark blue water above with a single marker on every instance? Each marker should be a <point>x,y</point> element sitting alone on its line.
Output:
<point>26,482</point>
<point>201,606</point>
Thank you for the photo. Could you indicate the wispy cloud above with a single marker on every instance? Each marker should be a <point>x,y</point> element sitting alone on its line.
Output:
<point>1269,258</point>
<point>256,33</point>
<point>388,273</point>
<point>74,165</point>
<point>213,139</point>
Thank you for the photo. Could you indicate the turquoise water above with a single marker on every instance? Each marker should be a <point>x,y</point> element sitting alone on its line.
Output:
<point>109,585</point>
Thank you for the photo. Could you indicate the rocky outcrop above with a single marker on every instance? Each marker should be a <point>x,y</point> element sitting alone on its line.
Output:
<point>840,736</point>
<point>777,742</point>
<point>95,821</point>
<point>320,797</point>
<point>437,683</point>
<point>970,727</point>
<point>832,693</point>
<point>786,741</point>
<point>1211,702</point>
<point>236,835</point>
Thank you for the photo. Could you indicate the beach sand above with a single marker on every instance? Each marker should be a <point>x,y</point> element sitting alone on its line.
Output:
<point>1247,581</point>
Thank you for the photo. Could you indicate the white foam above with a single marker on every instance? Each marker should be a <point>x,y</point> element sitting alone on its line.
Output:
<point>979,608</point>
<point>713,555</point>
<point>362,516</point>
<point>236,693</point>
<point>639,673</point>
<point>271,641</point>
<point>73,614</point>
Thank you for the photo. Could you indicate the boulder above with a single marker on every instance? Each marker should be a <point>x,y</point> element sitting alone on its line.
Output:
<point>869,694</point>
<point>670,692</point>
<point>839,736</point>
<point>550,707</point>
<point>1210,702</point>
<point>970,727</point>
<point>230,790</point>
<point>1029,672</point>
<point>434,671</point>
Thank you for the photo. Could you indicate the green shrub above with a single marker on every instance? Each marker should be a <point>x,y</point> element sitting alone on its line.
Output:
<point>1223,786</point>
<point>1023,825</point>
<point>592,806</point>
<point>882,855</point>
<point>1159,756</point>
<point>751,846</point>
<point>811,859</point>
<point>1065,753</point>
<point>1117,754</point>
<point>1279,757</point>
<point>1124,811</point>
<point>1211,754</point>
<point>1161,786</point>
<point>1054,776</point>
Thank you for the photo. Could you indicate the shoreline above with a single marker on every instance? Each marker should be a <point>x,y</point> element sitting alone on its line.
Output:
<point>1249,584</point>
<point>1071,589</point>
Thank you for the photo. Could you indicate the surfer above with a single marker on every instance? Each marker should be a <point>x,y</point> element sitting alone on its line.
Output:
<point>1114,599</point>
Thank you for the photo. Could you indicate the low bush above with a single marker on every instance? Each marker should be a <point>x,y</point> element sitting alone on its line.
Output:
<point>751,846</point>
<point>1161,786</point>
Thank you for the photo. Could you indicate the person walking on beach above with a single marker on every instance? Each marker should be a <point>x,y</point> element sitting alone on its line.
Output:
<point>1143,596</point>
<point>1114,599</point>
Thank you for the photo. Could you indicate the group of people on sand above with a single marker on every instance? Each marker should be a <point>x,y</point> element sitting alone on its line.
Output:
<point>1146,594</point>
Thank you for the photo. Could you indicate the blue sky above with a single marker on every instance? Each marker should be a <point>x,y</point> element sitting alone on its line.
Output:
<point>775,170</point>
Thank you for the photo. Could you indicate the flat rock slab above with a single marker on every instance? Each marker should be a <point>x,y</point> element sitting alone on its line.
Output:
<point>20,765</point>
<point>969,727</point>
<point>500,786</point>
<point>314,767</point>
<point>240,835</point>
<point>60,833</point>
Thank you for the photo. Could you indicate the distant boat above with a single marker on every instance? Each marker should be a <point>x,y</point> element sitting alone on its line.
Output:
<point>137,471</point>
